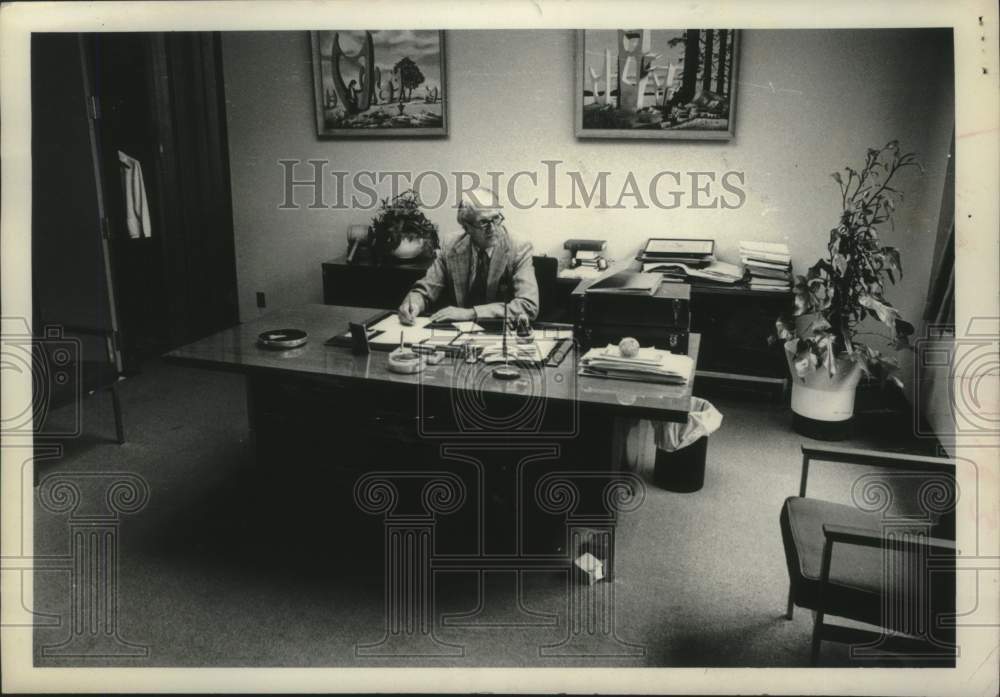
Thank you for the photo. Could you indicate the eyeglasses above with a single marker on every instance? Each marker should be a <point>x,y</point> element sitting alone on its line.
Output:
<point>488,223</point>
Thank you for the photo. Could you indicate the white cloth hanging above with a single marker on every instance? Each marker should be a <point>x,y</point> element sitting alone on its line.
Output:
<point>136,203</point>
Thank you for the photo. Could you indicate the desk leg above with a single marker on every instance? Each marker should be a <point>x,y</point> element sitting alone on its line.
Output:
<point>609,450</point>
<point>251,403</point>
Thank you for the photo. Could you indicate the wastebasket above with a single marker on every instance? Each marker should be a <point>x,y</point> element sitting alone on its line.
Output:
<point>682,448</point>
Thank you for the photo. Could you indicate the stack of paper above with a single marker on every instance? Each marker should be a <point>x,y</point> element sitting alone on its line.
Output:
<point>650,365</point>
<point>627,282</point>
<point>526,353</point>
<point>389,331</point>
<point>693,253</point>
<point>535,352</point>
<point>769,265</point>
<point>715,272</point>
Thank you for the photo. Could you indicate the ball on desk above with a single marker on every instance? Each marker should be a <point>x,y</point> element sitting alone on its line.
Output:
<point>629,347</point>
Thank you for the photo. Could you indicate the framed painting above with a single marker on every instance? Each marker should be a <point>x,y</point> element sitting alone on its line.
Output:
<point>665,84</point>
<point>379,83</point>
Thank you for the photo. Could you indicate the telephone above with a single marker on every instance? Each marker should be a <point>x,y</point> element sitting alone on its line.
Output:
<point>587,253</point>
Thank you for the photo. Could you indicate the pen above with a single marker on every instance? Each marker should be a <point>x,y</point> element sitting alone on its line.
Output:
<point>401,341</point>
<point>409,305</point>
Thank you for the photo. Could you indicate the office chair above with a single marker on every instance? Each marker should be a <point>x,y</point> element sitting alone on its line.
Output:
<point>869,564</point>
<point>551,308</point>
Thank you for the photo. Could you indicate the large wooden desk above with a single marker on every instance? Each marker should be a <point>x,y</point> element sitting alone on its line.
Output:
<point>236,349</point>
<point>470,474</point>
<point>319,409</point>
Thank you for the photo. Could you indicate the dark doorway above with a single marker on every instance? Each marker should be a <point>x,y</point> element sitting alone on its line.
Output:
<point>120,84</point>
<point>159,103</point>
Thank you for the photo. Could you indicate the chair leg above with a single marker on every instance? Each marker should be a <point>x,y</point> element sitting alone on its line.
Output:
<point>824,579</point>
<point>791,604</point>
<point>816,639</point>
<point>117,406</point>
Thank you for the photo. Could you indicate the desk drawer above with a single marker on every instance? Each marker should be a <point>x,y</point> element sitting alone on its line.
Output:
<point>335,409</point>
<point>670,306</point>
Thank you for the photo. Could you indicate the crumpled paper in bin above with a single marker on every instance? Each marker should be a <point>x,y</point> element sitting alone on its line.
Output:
<point>704,419</point>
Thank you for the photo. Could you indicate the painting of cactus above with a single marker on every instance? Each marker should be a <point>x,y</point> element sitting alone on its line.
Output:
<point>379,83</point>
<point>656,83</point>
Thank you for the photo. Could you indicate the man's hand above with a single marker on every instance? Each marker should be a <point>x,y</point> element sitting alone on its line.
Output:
<point>408,311</point>
<point>453,314</point>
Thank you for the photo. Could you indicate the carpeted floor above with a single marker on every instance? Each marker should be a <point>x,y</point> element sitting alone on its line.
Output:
<point>220,569</point>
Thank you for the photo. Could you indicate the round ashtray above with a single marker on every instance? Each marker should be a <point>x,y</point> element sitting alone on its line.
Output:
<point>282,338</point>
<point>406,361</point>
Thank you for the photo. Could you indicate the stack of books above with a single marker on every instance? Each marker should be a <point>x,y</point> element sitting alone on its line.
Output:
<point>768,265</point>
<point>649,365</point>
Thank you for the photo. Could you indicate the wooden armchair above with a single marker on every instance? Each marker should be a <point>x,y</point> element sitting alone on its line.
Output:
<point>868,563</point>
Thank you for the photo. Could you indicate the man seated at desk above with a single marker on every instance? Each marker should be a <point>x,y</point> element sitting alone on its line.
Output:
<point>485,268</point>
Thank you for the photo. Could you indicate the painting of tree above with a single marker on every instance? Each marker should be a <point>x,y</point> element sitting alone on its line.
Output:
<point>409,76</point>
<point>364,83</point>
<point>668,84</point>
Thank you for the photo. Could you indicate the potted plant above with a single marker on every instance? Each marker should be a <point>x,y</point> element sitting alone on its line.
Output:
<point>824,343</point>
<point>400,230</point>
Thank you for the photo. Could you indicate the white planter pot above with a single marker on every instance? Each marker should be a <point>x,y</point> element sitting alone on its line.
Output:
<point>820,397</point>
<point>409,248</point>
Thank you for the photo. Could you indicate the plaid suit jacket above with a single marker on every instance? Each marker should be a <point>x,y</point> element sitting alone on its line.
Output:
<point>511,278</point>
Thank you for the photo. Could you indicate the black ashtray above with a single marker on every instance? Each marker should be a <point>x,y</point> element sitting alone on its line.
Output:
<point>282,338</point>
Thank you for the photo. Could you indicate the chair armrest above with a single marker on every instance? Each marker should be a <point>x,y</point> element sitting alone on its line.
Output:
<point>86,331</point>
<point>871,458</point>
<point>876,458</point>
<point>874,538</point>
<point>849,534</point>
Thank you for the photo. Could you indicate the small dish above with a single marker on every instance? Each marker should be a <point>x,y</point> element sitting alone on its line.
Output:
<point>282,338</point>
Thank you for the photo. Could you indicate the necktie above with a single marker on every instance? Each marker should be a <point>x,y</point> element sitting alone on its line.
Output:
<point>477,290</point>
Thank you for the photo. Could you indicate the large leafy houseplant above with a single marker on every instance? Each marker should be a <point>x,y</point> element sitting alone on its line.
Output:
<point>841,291</point>
<point>400,221</point>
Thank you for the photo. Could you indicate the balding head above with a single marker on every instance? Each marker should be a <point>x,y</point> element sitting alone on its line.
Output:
<point>479,214</point>
<point>476,201</point>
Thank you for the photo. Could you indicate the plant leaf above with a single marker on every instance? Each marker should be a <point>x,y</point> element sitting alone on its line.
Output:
<point>885,312</point>
<point>824,345</point>
<point>817,329</point>
<point>804,360</point>
<point>784,328</point>
<point>892,260</point>
<point>818,270</point>
<point>805,299</point>
<point>901,337</point>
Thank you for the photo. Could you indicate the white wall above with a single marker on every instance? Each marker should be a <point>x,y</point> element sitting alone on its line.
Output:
<point>809,102</point>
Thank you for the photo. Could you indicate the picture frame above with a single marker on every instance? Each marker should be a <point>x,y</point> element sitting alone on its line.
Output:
<point>662,101</point>
<point>381,94</point>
